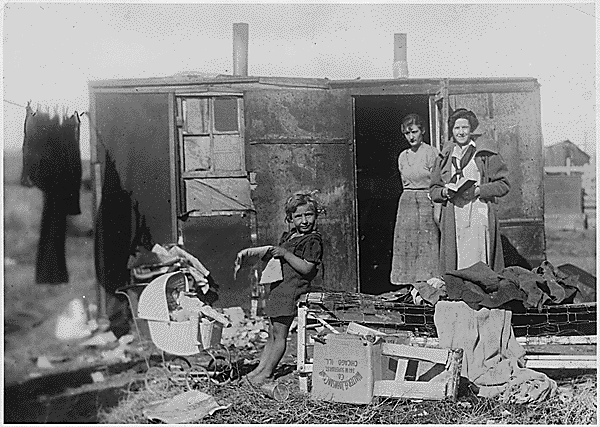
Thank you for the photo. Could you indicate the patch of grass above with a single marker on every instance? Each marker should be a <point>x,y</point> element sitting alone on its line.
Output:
<point>572,243</point>
<point>30,309</point>
<point>22,217</point>
<point>572,247</point>
<point>251,407</point>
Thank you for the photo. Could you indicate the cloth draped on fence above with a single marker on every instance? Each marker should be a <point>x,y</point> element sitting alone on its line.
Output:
<point>492,358</point>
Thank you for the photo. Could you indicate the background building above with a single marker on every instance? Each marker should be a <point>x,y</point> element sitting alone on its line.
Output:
<point>569,187</point>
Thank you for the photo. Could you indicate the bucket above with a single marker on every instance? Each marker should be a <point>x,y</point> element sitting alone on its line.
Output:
<point>210,333</point>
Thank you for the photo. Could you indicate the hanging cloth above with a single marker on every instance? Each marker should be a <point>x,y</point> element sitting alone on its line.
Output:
<point>52,163</point>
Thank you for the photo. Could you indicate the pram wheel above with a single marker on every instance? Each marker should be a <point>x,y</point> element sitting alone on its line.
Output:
<point>220,367</point>
<point>198,378</point>
<point>157,379</point>
<point>179,368</point>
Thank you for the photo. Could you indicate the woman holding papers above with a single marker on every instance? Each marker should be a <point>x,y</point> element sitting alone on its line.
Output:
<point>467,179</point>
<point>416,235</point>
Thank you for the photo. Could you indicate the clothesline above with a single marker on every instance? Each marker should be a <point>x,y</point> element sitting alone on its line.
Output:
<point>23,106</point>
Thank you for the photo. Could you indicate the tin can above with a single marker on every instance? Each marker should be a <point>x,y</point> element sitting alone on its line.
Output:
<point>276,391</point>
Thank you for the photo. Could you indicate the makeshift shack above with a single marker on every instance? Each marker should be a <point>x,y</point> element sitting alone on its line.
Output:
<point>209,163</point>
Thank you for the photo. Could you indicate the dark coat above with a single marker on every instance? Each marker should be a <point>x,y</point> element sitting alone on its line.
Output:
<point>52,158</point>
<point>494,184</point>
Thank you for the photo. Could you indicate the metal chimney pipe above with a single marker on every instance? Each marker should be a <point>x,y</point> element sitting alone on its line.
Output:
<point>240,49</point>
<point>400,66</point>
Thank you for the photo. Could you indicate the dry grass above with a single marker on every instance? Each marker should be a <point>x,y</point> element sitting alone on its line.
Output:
<point>251,407</point>
<point>572,247</point>
<point>22,214</point>
<point>30,309</point>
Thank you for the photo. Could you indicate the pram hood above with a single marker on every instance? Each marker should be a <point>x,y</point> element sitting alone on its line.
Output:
<point>152,304</point>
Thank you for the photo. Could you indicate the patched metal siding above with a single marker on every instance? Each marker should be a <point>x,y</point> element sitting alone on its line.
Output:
<point>301,139</point>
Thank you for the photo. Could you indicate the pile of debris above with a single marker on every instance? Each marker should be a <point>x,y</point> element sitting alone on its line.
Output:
<point>245,332</point>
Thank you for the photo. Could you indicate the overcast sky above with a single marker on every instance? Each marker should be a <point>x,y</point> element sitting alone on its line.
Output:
<point>51,50</point>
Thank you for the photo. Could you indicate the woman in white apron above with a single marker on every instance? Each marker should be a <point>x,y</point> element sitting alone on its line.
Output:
<point>469,225</point>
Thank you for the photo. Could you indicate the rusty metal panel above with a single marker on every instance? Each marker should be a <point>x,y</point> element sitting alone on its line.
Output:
<point>216,241</point>
<point>302,115</point>
<point>301,140</point>
<point>431,86</point>
<point>135,129</point>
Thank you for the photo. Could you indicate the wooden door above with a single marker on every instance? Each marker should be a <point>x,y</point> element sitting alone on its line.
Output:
<point>215,212</point>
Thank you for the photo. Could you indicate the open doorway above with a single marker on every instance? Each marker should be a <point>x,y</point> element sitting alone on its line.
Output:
<point>379,141</point>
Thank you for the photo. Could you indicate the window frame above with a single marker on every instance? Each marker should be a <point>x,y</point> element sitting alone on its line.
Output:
<point>182,114</point>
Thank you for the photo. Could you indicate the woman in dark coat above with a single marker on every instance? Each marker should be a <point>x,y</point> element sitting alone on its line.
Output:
<point>469,223</point>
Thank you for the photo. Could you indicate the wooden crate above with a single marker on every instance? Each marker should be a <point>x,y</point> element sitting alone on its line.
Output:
<point>443,385</point>
<point>335,312</point>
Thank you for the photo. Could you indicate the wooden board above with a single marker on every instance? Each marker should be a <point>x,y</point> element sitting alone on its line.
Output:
<point>410,389</point>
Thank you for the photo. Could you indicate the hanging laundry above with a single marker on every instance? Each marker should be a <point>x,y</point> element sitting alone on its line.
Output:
<point>120,228</point>
<point>52,162</point>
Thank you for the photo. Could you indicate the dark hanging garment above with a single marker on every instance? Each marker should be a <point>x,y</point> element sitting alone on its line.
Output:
<point>52,162</point>
<point>119,229</point>
<point>51,261</point>
<point>113,233</point>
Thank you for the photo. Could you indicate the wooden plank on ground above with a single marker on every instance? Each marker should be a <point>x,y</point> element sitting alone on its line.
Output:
<point>410,389</point>
<point>559,361</point>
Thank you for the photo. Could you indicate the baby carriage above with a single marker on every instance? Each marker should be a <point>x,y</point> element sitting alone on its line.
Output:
<point>180,325</point>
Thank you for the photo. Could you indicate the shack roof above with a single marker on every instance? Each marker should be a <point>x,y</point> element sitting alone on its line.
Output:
<point>301,82</point>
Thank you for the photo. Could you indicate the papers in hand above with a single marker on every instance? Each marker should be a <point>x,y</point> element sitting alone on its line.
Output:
<point>461,185</point>
<point>271,272</point>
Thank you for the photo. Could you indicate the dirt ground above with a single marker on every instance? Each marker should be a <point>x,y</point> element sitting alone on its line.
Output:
<point>572,247</point>
<point>30,310</point>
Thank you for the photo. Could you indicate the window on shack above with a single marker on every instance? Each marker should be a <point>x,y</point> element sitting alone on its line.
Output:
<point>210,135</point>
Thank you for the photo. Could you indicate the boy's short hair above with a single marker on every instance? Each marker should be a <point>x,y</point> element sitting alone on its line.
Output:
<point>299,199</point>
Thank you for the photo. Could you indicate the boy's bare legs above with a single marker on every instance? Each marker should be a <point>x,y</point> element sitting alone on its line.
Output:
<point>280,328</point>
